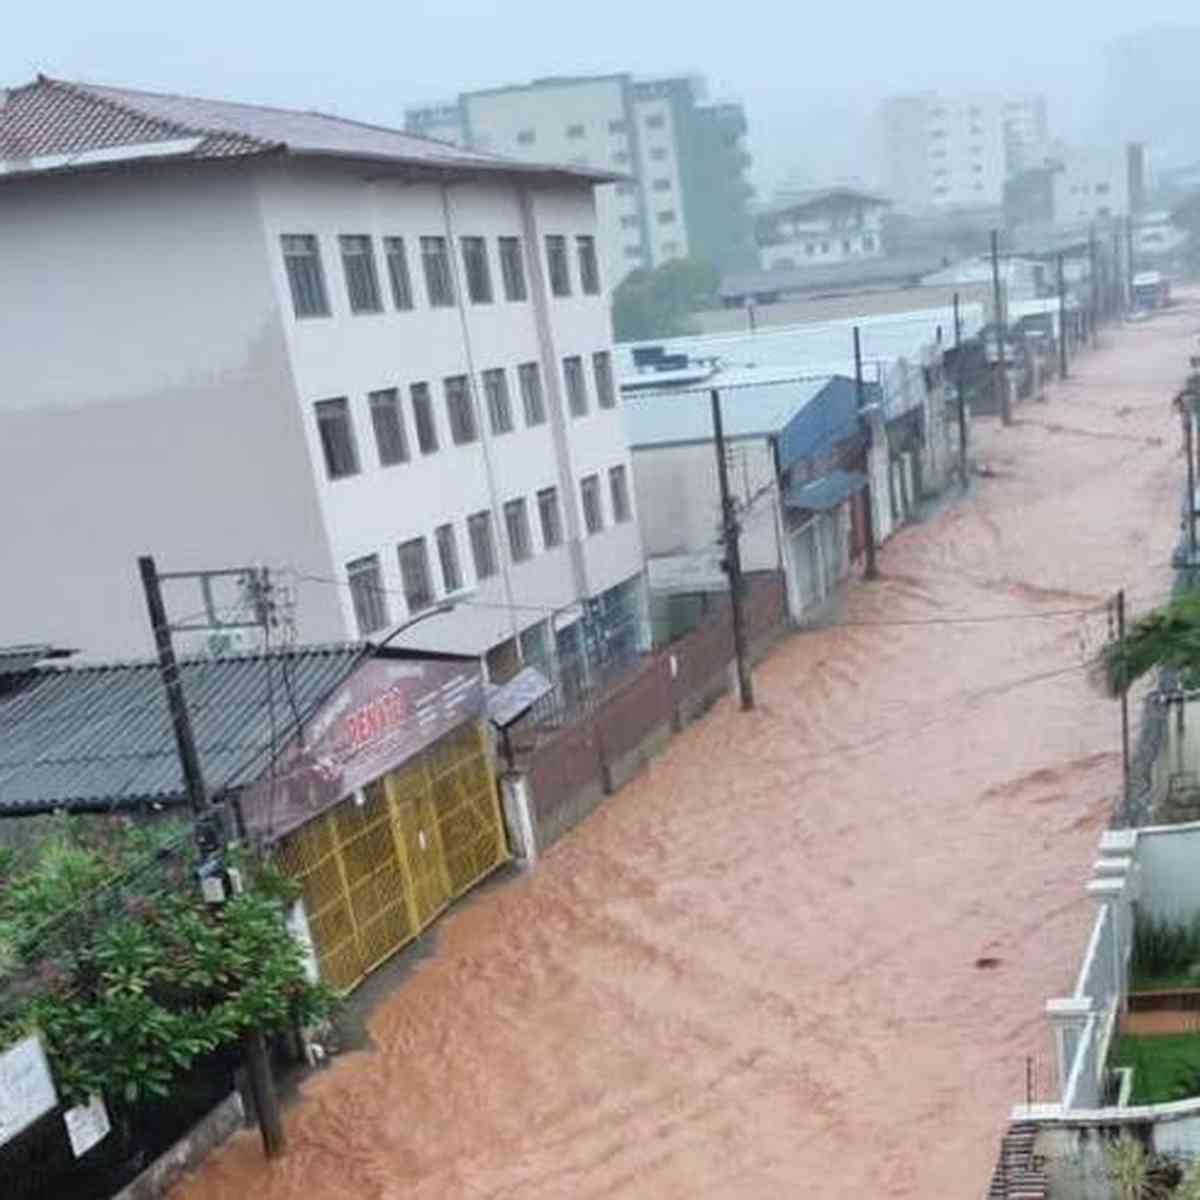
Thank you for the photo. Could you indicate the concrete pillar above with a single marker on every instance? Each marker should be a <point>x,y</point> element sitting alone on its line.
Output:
<point>1110,894</point>
<point>516,800</point>
<point>1068,1015</point>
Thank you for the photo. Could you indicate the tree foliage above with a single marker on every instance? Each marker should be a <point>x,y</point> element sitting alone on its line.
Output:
<point>1168,636</point>
<point>657,303</point>
<point>109,952</point>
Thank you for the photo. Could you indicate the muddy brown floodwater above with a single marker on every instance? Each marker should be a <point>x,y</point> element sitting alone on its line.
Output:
<point>806,951</point>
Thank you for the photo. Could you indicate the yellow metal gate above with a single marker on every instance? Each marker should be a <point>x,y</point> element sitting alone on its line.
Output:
<point>376,869</point>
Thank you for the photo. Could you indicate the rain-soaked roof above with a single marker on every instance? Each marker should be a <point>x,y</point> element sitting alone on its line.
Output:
<point>99,738</point>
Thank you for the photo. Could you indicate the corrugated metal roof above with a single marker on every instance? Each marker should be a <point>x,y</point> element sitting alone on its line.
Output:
<point>87,738</point>
<point>825,347</point>
<point>748,409</point>
<point>55,125</point>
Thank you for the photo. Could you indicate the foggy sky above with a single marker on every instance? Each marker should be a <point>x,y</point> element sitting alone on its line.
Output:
<point>809,74</point>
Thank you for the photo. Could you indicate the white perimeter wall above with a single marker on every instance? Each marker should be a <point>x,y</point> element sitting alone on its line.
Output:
<point>146,404</point>
<point>679,499</point>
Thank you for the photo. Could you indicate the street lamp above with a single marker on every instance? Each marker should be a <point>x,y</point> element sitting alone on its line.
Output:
<point>436,611</point>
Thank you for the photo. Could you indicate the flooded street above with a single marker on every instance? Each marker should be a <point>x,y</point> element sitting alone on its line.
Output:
<point>806,952</point>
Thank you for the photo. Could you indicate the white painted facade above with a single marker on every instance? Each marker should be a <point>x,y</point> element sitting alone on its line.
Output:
<point>658,175</point>
<point>1092,185</point>
<point>837,234</point>
<point>585,122</point>
<point>160,397</point>
<point>594,121</point>
<point>955,152</point>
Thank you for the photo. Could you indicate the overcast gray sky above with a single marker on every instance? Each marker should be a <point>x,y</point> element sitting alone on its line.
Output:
<point>801,69</point>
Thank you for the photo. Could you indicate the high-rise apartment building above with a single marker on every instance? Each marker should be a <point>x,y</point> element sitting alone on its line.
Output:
<point>686,194</point>
<point>955,152</point>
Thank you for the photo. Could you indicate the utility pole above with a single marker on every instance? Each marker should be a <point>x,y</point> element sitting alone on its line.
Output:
<point>958,391</point>
<point>733,558</point>
<point>872,568</point>
<point>1094,290</point>
<point>1124,703</point>
<point>1187,412</point>
<point>262,1084</point>
<point>1115,291</point>
<point>168,670</point>
<point>1062,319</point>
<point>1129,258</point>
<point>1001,376</point>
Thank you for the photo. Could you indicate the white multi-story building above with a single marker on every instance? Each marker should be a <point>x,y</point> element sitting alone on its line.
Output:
<point>685,193</point>
<point>236,335</point>
<point>955,152</point>
<point>827,225</point>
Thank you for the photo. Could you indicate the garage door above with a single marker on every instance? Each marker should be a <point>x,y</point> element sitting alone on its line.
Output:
<point>382,864</point>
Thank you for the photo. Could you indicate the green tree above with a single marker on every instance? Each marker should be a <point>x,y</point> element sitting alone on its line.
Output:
<point>657,303</point>
<point>109,952</point>
<point>1169,636</point>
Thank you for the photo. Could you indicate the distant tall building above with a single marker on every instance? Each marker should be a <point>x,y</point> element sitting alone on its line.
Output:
<point>687,193</point>
<point>955,152</point>
<point>1150,92</point>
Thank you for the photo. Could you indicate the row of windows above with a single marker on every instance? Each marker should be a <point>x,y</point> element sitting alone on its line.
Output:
<point>576,130</point>
<point>310,298</point>
<point>336,426</point>
<point>365,575</point>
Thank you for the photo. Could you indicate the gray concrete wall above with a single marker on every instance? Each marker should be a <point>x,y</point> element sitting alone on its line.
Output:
<point>147,405</point>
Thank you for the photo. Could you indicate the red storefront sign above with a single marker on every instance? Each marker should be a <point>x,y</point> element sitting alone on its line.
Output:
<point>388,711</point>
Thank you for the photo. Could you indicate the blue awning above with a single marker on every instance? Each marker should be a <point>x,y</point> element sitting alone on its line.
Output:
<point>827,492</point>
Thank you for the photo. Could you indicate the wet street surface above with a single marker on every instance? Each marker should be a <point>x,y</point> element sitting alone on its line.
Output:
<point>806,952</point>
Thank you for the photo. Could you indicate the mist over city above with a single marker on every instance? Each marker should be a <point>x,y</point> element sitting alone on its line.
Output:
<point>600,601</point>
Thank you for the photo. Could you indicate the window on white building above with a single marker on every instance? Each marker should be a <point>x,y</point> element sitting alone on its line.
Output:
<point>634,251</point>
<point>576,385</point>
<point>589,492</point>
<point>397,261</point>
<point>551,517</point>
<point>459,410</point>
<point>606,396</point>
<point>476,269</point>
<point>526,137</point>
<point>388,424</point>
<point>621,156</point>
<point>516,525</point>
<point>661,185</point>
<point>530,377</point>
<point>658,154</point>
<point>439,283</point>
<point>337,437</point>
<point>630,221</point>
<point>447,546</point>
<point>483,544</point>
<point>589,268</point>
<point>575,131</point>
<point>618,485</point>
<point>617,126</point>
<point>655,121</point>
<point>362,283</point>
<point>302,259</point>
<point>556,259</point>
<point>512,269</point>
<point>868,242</point>
<point>626,187</point>
<point>414,575</point>
<point>366,594</point>
<point>495,390</point>
<point>423,419</point>
<point>667,216</point>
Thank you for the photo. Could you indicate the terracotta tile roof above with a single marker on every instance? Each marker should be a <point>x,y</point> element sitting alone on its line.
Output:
<point>54,125</point>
